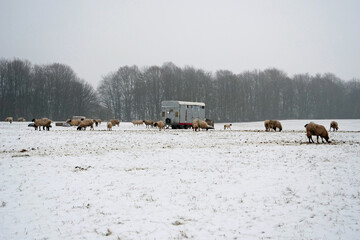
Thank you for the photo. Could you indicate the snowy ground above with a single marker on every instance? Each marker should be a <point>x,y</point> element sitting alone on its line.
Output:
<point>137,183</point>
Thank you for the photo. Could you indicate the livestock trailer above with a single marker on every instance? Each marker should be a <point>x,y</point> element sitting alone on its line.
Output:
<point>181,114</point>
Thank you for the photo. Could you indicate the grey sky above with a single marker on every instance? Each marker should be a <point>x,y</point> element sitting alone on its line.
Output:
<point>97,37</point>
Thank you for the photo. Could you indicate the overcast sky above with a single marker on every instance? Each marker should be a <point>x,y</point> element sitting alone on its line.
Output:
<point>97,37</point>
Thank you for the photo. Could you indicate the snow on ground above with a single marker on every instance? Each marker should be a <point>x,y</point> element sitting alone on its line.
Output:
<point>137,183</point>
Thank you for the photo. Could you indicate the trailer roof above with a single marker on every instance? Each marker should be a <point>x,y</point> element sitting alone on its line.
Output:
<point>183,103</point>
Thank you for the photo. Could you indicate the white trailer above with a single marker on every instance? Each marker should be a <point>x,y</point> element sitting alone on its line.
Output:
<point>180,114</point>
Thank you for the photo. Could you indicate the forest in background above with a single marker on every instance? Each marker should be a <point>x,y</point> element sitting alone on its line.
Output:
<point>129,93</point>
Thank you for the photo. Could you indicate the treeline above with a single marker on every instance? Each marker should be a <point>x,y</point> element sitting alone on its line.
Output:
<point>55,91</point>
<point>43,91</point>
<point>131,93</point>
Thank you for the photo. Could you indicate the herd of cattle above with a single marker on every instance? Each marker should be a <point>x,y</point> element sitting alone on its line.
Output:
<point>312,129</point>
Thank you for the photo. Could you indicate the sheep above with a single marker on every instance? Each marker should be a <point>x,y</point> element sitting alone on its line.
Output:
<point>47,125</point>
<point>86,123</point>
<point>21,119</point>
<point>98,120</point>
<point>272,124</point>
<point>43,122</point>
<point>196,124</point>
<point>199,124</point>
<point>137,122</point>
<point>227,126</point>
<point>316,130</point>
<point>204,125</point>
<point>148,123</point>
<point>160,125</point>
<point>9,119</point>
<point>74,122</point>
<point>334,125</point>
<point>115,122</point>
<point>109,126</point>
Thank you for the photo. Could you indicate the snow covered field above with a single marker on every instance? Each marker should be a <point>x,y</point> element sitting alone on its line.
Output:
<point>137,183</point>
